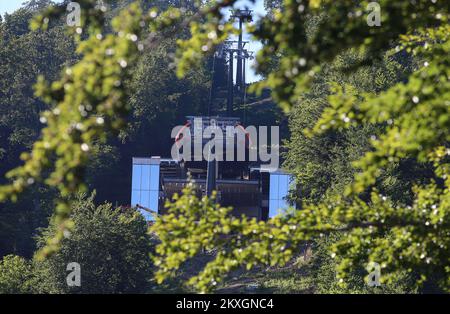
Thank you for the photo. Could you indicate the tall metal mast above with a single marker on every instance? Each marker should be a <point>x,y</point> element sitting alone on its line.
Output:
<point>242,16</point>
<point>230,94</point>
<point>237,47</point>
<point>231,49</point>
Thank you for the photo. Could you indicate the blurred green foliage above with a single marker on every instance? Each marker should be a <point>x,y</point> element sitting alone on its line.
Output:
<point>413,236</point>
<point>111,245</point>
<point>15,275</point>
<point>408,118</point>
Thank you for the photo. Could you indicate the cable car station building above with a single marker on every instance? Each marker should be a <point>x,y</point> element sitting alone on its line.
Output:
<point>250,187</point>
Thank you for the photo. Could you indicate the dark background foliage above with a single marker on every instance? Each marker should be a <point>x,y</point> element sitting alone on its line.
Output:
<point>159,99</point>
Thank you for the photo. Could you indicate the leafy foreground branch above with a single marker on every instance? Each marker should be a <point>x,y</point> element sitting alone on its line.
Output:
<point>415,118</point>
<point>411,238</point>
<point>89,101</point>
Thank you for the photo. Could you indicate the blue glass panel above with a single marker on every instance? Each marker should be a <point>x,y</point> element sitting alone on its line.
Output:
<point>145,186</point>
<point>284,185</point>
<point>279,191</point>
<point>136,177</point>
<point>283,204</point>
<point>273,191</point>
<point>273,208</point>
<point>153,204</point>
<point>284,189</point>
<point>154,177</point>
<point>145,199</point>
<point>145,178</point>
<point>135,197</point>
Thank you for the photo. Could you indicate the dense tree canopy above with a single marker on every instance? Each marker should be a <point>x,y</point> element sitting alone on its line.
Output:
<point>27,54</point>
<point>392,230</point>
<point>24,55</point>
<point>111,245</point>
<point>15,275</point>
<point>369,106</point>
